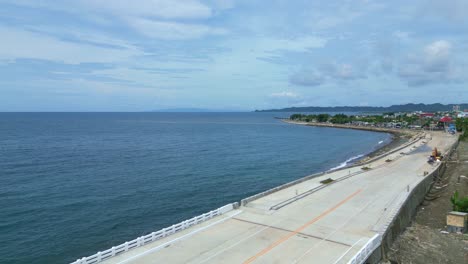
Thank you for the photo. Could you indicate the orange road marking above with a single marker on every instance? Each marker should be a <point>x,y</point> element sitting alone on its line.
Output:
<point>295,232</point>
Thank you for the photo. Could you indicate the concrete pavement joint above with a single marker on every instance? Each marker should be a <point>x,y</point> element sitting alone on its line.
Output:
<point>287,237</point>
<point>287,230</point>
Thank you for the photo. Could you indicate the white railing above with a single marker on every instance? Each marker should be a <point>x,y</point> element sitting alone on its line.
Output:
<point>364,253</point>
<point>144,240</point>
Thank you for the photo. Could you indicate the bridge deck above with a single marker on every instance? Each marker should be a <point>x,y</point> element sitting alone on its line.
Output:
<point>327,226</point>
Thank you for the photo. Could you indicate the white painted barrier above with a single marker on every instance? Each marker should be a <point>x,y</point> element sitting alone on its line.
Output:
<point>365,252</point>
<point>144,240</point>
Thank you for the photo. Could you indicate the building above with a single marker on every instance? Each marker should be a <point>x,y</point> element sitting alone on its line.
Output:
<point>457,222</point>
<point>426,115</point>
<point>463,114</point>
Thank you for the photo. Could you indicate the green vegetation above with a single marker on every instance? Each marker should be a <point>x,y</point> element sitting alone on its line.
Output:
<point>311,118</point>
<point>327,181</point>
<point>389,119</point>
<point>459,204</point>
<point>462,126</point>
<point>403,120</point>
<point>340,119</point>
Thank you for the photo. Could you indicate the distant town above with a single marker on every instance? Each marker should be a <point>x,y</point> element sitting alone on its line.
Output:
<point>452,121</point>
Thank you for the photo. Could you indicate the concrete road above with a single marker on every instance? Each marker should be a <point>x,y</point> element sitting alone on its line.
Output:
<point>327,226</point>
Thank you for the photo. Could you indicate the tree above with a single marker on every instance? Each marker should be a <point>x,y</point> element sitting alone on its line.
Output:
<point>340,119</point>
<point>459,124</point>
<point>322,118</point>
<point>459,204</point>
<point>296,117</point>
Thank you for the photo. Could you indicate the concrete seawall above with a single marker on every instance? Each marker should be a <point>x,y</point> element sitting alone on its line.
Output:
<point>407,211</point>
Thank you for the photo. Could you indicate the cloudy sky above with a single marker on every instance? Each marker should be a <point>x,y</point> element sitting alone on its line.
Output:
<point>96,55</point>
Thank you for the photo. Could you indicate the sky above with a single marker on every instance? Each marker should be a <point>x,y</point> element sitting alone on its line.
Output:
<point>230,55</point>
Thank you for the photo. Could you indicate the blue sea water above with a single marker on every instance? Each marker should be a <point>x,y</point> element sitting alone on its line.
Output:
<point>72,184</point>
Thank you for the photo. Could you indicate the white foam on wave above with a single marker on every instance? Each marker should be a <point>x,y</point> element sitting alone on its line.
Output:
<point>348,161</point>
<point>380,142</point>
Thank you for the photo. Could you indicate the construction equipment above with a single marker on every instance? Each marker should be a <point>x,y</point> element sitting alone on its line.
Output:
<point>435,156</point>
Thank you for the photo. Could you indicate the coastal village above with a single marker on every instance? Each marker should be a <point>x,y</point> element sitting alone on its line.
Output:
<point>450,121</point>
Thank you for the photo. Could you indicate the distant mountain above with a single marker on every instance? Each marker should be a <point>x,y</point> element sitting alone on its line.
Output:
<point>194,110</point>
<point>377,109</point>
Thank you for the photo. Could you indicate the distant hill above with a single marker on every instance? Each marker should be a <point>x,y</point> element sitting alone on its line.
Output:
<point>193,110</point>
<point>369,109</point>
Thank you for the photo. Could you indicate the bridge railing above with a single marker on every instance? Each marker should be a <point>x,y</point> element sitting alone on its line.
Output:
<point>144,240</point>
<point>364,253</point>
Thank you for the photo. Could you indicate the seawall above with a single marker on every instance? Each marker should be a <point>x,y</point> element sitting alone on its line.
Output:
<point>407,211</point>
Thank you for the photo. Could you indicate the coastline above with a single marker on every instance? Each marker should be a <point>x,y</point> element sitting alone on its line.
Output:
<point>304,190</point>
<point>398,137</point>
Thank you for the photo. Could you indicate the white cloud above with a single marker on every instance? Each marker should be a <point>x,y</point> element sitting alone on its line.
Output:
<point>158,8</point>
<point>314,76</point>
<point>401,35</point>
<point>438,48</point>
<point>344,71</point>
<point>17,43</point>
<point>296,44</point>
<point>307,77</point>
<point>434,64</point>
<point>142,15</point>
<point>250,51</point>
<point>284,98</point>
<point>174,30</point>
<point>223,4</point>
<point>437,56</point>
<point>284,94</point>
<point>186,9</point>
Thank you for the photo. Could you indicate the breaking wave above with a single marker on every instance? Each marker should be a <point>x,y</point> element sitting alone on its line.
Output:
<point>347,162</point>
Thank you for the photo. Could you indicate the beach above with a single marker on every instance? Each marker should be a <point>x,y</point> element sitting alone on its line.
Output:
<point>399,136</point>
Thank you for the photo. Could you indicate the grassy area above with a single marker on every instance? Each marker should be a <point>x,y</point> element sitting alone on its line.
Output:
<point>462,126</point>
<point>327,181</point>
<point>460,204</point>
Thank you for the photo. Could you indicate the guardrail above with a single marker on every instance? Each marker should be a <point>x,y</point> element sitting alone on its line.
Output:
<point>144,240</point>
<point>365,252</point>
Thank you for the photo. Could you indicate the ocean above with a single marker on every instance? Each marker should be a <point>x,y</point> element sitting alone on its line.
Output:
<point>72,184</point>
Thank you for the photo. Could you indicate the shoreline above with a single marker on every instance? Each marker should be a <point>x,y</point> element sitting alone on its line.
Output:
<point>230,207</point>
<point>398,138</point>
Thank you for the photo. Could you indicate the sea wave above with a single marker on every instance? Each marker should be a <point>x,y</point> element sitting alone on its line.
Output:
<point>347,162</point>
<point>380,142</point>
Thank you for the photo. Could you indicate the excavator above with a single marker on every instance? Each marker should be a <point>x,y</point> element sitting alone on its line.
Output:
<point>435,156</point>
